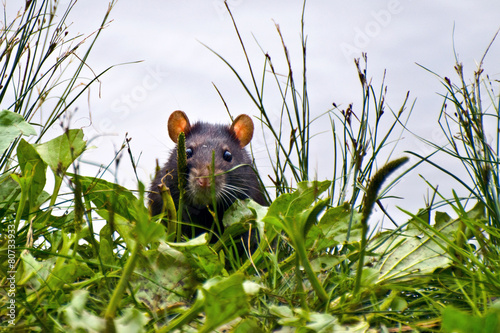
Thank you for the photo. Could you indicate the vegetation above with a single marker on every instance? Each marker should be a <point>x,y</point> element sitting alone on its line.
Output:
<point>318,266</point>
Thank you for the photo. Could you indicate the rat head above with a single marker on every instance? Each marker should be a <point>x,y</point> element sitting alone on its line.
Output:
<point>233,172</point>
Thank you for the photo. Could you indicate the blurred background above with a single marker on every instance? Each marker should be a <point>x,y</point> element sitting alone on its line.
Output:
<point>162,62</point>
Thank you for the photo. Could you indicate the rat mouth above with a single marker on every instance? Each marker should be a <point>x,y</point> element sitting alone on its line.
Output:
<point>200,196</point>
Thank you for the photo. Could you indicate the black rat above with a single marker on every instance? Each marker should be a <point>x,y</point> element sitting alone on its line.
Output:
<point>202,138</point>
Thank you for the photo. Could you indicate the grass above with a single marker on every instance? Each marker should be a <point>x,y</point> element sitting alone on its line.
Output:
<point>318,266</point>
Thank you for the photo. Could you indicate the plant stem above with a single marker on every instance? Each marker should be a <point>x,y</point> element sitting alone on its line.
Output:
<point>120,288</point>
<point>185,318</point>
<point>370,199</point>
<point>302,255</point>
<point>181,170</point>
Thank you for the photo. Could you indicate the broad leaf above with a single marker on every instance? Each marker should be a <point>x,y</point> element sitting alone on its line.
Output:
<point>333,228</point>
<point>110,196</point>
<point>420,249</point>
<point>162,278</point>
<point>290,204</point>
<point>59,153</point>
<point>11,126</point>
<point>224,300</point>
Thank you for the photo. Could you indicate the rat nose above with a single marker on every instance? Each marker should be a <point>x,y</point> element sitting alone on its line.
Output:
<point>203,182</point>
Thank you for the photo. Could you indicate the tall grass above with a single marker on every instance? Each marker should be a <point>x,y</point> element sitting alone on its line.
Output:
<point>473,139</point>
<point>469,119</point>
<point>43,73</point>
<point>357,134</point>
<point>42,63</point>
<point>361,138</point>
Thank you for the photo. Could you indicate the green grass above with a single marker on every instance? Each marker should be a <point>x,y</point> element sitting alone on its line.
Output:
<point>318,267</point>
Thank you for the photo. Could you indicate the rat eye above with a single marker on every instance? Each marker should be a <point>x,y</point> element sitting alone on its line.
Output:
<point>189,152</point>
<point>227,156</point>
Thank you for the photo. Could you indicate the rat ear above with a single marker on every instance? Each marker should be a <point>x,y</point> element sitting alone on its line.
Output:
<point>243,129</point>
<point>178,122</point>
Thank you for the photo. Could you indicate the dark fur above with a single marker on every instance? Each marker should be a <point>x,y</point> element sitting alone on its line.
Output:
<point>203,138</point>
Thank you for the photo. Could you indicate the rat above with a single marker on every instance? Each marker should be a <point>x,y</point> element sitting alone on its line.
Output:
<point>235,177</point>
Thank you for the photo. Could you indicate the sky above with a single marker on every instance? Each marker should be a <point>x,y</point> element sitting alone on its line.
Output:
<point>178,71</point>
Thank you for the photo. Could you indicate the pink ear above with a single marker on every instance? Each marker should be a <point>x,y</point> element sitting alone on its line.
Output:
<point>178,122</point>
<point>243,129</point>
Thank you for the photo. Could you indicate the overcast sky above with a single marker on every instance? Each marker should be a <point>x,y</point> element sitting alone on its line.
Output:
<point>178,72</point>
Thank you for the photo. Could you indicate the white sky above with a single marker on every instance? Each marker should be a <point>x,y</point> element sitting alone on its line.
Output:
<point>177,71</point>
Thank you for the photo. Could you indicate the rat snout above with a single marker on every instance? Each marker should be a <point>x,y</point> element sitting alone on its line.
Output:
<point>203,182</point>
<point>199,187</point>
<point>202,176</point>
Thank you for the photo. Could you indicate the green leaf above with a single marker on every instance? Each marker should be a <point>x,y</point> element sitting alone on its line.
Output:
<point>11,126</point>
<point>279,207</point>
<point>146,230</point>
<point>224,300</point>
<point>106,252</point>
<point>399,304</point>
<point>456,321</point>
<point>45,219</point>
<point>77,318</point>
<point>61,152</point>
<point>70,272</point>
<point>34,273</point>
<point>286,315</point>
<point>132,320</point>
<point>422,248</point>
<point>408,254</point>
<point>239,216</point>
<point>306,321</point>
<point>110,196</point>
<point>200,256</point>
<point>309,217</point>
<point>10,191</point>
<point>306,194</point>
<point>162,278</point>
<point>326,262</point>
<point>248,325</point>
<point>334,227</point>
<point>123,226</point>
<point>290,204</point>
<point>323,322</point>
<point>243,211</point>
<point>201,240</point>
<point>34,167</point>
<point>369,276</point>
<point>411,252</point>
<point>281,311</point>
<point>291,211</point>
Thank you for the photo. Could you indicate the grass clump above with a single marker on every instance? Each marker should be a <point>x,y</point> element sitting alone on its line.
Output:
<point>317,268</point>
